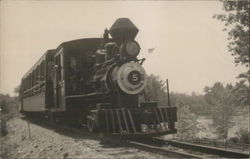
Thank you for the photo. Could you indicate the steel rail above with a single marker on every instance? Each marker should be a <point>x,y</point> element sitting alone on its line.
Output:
<point>204,149</point>
<point>138,145</point>
<point>161,151</point>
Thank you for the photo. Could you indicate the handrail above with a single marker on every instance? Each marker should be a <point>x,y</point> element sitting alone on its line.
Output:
<point>34,90</point>
<point>84,95</point>
<point>39,84</point>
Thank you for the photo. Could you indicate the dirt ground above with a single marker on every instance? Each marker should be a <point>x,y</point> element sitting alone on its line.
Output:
<point>45,142</point>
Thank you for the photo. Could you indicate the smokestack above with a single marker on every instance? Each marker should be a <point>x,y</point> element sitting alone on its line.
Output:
<point>123,29</point>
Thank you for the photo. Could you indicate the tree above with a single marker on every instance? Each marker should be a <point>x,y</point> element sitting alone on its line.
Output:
<point>156,89</point>
<point>196,102</point>
<point>16,90</point>
<point>237,24</point>
<point>240,94</point>
<point>223,101</point>
<point>187,124</point>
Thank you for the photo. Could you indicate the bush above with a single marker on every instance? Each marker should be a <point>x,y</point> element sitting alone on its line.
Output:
<point>3,106</point>
<point>187,125</point>
<point>234,140</point>
<point>5,149</point>
<point>8,110</point>
<point>243,135</point>
<point>3,127</point>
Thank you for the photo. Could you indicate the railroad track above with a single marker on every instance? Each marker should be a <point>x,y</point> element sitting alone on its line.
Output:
<point>112,139</point>
<point>155,145</point>
<point>203,149</point>
<point>162,151</point>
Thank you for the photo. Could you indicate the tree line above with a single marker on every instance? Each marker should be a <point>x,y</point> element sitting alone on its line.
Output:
<point>220,102</point>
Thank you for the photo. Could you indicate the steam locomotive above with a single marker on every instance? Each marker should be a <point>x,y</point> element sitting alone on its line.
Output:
<point>96,82</point>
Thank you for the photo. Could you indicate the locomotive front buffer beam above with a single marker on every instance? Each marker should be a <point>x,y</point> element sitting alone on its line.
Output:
<point>133,121</point>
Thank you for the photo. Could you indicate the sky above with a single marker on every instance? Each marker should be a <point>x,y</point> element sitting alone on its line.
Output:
<point>190,46</point>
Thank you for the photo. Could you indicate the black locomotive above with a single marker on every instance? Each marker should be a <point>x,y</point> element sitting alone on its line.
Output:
<point>96,82</point>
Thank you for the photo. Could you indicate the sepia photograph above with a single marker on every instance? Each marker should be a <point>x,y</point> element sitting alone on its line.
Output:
<point>124,79</point>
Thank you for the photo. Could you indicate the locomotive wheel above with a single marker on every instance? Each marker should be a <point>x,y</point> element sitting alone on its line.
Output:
<point>91,123</point>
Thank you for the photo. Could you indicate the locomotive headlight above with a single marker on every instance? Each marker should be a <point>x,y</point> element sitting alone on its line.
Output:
<point>130,48</point>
